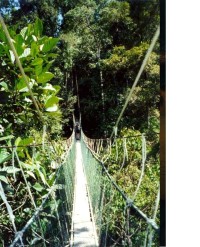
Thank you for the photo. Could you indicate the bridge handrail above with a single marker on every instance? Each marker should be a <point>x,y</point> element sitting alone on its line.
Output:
<point>129,202</point>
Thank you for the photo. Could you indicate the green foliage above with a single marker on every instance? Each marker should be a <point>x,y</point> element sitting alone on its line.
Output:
<point>34,53</point>
<point>124,164</point>
<point>124,59</point>
<point>101,46</point>
<point>20,125</point>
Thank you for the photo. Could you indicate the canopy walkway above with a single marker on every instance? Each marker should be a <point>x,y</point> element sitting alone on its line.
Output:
<point>79,208</point>
<point>85,206</point>
<point>83,228</point>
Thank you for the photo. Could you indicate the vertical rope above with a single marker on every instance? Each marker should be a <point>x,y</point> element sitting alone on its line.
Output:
<point>10,212</point>
<point>26,182</point>
<point>150,230</point>
<point>116,147</point>
<point>101,146</point>
<point>58,218</point>
<point>102,96</point>
<point>128,236</point>
<point>110,147</point>
<point>30,194</point>
<point>77,91</point>
<point>9,209</point>
<point>43,136</point>
<point>127,219</point>
<point>13,162</point>
<point>125,156</point>
<point>143,165</point>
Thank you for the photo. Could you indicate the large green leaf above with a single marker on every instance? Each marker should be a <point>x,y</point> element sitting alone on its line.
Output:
<point>51,104</point>
<point>49,44</point>
<point>18,44</point>
<point>26,141</point>
<point>1,48</point>
<point>38,69</point>
<point>41,174</point>
<point>31,174</point>
<point>24,32</point>
<point>57,87</point>
<point>2,35</point>
<point>37,61</point>
<point>3,178</point>
<point>38,187</point>
<point>49,87</point>
<point>4,156</point>
<point>17,141</point>
<point>38,27</point>
<point>21,85</point>
<point>34,49</point>
<point>51,101</point>
<point>4,85</point>
<point>53,108</point>
<point>10,169</point>
<point>12,56</point>
<point>26,53</point>
<point>46,68</point>
<point>45,77</point>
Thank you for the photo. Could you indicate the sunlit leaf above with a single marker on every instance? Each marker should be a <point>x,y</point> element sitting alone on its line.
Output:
<point>38,187</point>
<point>49,44</point>
<point>38,27</point>
<point>24,32</point>
<point>37,61</point>
<point>38,69</point>
<point>45,77</point>
<point>53,108</point>
<point>34,49</point>
<point>12,56</point>
<point>26,141</point>
<point>51,101</point>
<point>34,38</point>
<point>4,156</point>
<point>1,48</point>
<point>4,179</point>
<point>49,87</point>
<point>4,85</point>
<point>10,169</point>
<point>31,174</point>
<point>17,141</point>
<point>26,53</point>
<point>18,44</point>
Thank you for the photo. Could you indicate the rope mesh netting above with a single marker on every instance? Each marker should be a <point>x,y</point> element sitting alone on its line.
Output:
<point>50,224</point>
<point>119,221</point>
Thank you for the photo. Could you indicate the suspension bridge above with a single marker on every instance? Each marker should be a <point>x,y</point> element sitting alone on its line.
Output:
<point>79,208</point>
<point>85,206</point>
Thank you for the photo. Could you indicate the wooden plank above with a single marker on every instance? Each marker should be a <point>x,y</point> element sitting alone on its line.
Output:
<point>84,233</point>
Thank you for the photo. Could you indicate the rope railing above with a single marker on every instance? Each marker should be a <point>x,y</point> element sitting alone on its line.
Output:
<point>50,223</point>
<point>66,142</point>
<point>119,221</point>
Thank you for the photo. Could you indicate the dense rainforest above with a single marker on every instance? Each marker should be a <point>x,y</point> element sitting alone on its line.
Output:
<point>79,57</point>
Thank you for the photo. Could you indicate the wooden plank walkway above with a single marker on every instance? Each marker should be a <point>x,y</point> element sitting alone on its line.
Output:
<point>83,229</point>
